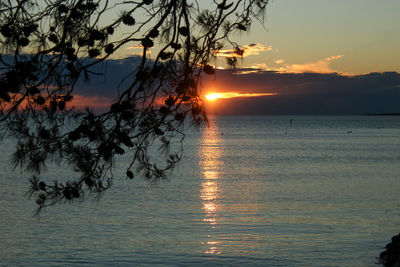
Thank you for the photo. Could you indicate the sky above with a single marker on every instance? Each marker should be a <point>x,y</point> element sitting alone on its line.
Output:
<point>309,57</point>
<point>364,35</point>
<point>251,92</point>
<point>340,42</point>
<point>345,36</point>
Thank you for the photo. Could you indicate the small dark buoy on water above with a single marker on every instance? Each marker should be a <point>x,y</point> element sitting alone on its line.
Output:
<point>290,123</point>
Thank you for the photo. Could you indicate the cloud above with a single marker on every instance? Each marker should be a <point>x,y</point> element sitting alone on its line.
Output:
<point>253,69</point>
<point>261,66</point>
<point>148,52</point>
<point>333,57</point>
<point>107,85</point>
<point>296,93</point>
<point>320,66</point>
<point>138,47</point>
<point>248,50</point>
<point>93,102</point>
<point>308,93</point>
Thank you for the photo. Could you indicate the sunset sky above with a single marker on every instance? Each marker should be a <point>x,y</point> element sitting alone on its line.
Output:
<point>309,57</point>
<point>345,36</point>
<point>351,38</point>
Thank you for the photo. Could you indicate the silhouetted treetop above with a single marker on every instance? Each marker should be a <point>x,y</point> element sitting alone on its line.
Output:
<point>47,46</point>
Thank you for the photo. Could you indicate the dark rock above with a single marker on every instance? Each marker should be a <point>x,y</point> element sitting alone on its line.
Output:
<point>391,256</point>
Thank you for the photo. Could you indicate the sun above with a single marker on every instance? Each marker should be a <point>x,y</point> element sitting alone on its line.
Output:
<point>215,96</point>
<point>212,96</point>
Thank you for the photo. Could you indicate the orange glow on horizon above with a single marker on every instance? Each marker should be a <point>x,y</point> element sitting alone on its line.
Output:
<point>96,102</point>
<point>214,96</point>
<point>78,102</point>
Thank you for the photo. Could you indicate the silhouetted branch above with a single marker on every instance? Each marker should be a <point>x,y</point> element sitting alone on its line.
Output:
<point>48,46</point>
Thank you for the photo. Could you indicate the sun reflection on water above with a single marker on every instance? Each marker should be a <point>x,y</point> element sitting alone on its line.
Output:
<point>210,152</point>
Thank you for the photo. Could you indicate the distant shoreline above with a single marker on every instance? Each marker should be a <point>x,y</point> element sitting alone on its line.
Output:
<point>383,114</point>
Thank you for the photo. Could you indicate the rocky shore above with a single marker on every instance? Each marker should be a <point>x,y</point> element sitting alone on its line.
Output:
<point>391,256</point>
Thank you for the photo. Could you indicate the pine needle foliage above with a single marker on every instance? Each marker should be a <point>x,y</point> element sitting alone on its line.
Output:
<point>47,46</point>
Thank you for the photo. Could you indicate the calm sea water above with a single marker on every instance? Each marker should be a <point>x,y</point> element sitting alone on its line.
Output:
<point>251,191</point>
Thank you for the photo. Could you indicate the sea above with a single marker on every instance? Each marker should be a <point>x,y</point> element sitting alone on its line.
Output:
<point>249,191</point>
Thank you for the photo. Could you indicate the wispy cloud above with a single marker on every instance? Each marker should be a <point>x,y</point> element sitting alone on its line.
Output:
<point>248,50</point>
<point>320,66</point>
<point>94,102</point>
<point>138,48</point>
<point>254,69</point>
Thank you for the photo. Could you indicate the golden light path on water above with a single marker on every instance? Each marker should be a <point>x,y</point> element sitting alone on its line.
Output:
<point>210,152</point>
<point>213,96</point>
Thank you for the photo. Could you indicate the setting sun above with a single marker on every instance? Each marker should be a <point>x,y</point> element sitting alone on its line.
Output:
<point>214,96</point>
